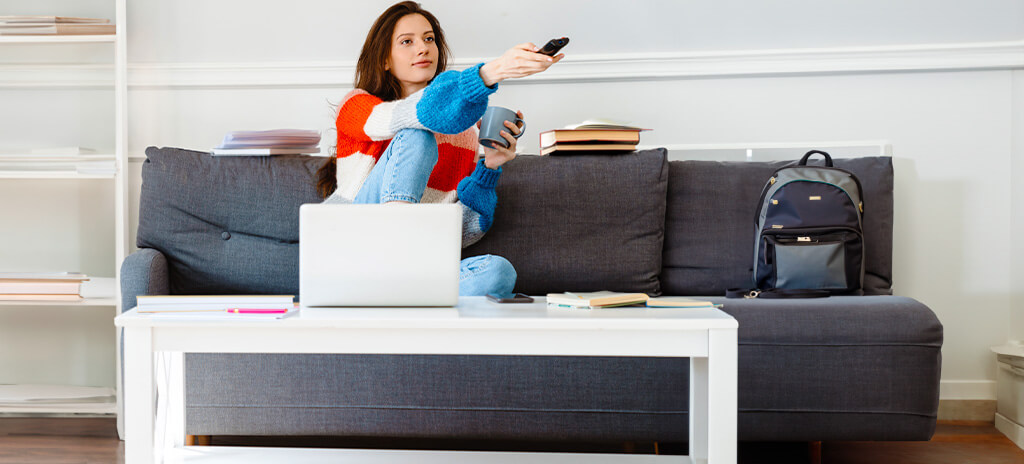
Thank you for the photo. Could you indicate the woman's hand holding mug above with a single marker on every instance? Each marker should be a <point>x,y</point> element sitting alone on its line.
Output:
<point>497,154</point>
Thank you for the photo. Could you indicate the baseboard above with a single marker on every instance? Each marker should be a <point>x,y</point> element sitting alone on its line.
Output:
<point>1012,430</point>
<point>967,390</point>
<point>967,410</point>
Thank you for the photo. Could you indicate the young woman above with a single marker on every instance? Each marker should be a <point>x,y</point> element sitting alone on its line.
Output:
<point>406,133</point>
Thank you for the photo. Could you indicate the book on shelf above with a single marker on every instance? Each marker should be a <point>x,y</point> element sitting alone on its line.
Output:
<point>64,286</point>
<point>593,300</point>
<point>39,287</point>
<point>40,297</point>
<point>56,29</point>
<point>44,275</point>
<point>19,19</point>
<point>212,303</point>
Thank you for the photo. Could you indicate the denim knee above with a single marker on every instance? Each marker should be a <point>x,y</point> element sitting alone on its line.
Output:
<point>407,164</point>
<point>485,274</point>
<point>416,138</point>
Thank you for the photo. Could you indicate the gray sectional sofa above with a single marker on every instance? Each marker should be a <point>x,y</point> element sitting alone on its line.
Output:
<point>838,368</point>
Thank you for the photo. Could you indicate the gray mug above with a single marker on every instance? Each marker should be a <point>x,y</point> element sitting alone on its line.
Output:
<point>493,123</point>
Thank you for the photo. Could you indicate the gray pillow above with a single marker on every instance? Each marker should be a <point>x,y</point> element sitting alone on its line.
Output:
<point>226,224</point>
<point>709,243</point>
<point>582,222</point>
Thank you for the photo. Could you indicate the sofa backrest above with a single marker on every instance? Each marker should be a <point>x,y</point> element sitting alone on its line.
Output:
<point>634,223</point>
<point>709,223</point>
<point>581,223</point>
<point>225,224</point>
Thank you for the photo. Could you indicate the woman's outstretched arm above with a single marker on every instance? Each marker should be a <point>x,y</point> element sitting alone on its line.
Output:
<point>452,102</point>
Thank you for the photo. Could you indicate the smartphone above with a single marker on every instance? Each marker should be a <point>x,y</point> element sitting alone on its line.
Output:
<point>553,46</point>
<point>510,298</point>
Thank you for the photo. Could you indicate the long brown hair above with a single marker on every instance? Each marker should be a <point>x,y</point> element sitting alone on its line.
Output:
<point>373,78</point>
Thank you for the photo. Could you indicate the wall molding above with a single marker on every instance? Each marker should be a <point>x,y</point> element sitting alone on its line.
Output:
<point>574,69</point>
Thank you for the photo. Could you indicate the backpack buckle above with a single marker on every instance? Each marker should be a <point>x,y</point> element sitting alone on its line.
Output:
<point>752,294</point>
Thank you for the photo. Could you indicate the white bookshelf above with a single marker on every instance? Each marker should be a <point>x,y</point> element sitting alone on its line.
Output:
<point>42,39</point>
<point>101,291</point>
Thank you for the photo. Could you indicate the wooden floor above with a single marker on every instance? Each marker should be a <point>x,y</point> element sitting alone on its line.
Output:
<point>94,441</point>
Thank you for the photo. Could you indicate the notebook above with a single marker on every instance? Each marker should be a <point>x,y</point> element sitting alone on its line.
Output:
<point>379,255</point>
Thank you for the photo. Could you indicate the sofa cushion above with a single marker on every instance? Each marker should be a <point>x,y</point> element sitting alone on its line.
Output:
<point>225,224</point>
<point>709,223</point>
<point>581,223</point>
<point>837,368</point>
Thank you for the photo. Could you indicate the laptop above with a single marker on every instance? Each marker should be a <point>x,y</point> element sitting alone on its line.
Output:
<point>379,255</point>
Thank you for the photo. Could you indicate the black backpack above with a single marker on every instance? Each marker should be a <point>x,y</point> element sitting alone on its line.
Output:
<point>809,233</point>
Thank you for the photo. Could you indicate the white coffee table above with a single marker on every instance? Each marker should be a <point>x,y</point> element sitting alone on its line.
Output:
<point>475,327</point>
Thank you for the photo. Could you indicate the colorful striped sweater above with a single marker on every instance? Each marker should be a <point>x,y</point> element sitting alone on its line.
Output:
<point>449,107</point>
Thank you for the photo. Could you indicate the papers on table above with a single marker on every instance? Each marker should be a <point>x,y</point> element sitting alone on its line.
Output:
<point>207,307</point>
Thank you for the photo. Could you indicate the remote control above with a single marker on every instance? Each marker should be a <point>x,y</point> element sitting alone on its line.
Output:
<point>553,46</point>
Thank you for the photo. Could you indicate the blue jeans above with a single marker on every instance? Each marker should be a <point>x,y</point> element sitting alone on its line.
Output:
<point>401,174</point>
<point>485,274</point>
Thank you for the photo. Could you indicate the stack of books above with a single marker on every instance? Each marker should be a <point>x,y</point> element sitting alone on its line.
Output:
<point>599,136</point>
<point>218,306</point>
<point>41,286</point>
<point>54,25</point>
<point>269,142</point>
<point>598,300</point>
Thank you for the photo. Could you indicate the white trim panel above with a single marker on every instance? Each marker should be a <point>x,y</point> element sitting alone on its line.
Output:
<point>575,68</point>
<point>967,390</point>
<point>1011,429</point>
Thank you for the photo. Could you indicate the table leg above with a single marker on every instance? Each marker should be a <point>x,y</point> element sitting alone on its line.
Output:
<point>722,396</point>
<point>139,395</point>
<point>699,410</point>
<point>176,400</point>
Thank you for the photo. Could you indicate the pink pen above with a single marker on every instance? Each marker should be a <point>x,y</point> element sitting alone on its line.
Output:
<point>256,311</point>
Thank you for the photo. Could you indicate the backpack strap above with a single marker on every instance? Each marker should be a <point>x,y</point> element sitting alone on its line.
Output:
<point>828,158</point>
<point>775,293</point>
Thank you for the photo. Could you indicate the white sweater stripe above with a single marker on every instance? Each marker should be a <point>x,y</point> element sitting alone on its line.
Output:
<point>352,172</point>
<point>387,118</point>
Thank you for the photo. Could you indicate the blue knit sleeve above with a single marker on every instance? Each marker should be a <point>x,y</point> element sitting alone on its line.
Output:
<point>454,101</point>
<point>477,192</point>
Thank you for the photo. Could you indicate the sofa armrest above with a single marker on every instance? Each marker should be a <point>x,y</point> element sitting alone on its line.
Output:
<point>143,273</point>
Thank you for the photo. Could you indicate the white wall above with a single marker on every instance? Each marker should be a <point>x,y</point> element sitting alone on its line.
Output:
<point>934,78</point>
<point>1017,210</point>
